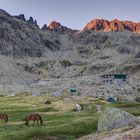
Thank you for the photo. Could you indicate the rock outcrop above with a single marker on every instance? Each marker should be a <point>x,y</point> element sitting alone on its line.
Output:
<point>115,118</point>
<point>20,37</point>
<point>54,25</point>
<point>101,25</point>
<point>58,28</point>
<point>45,27</point>
<point>32,21</point>
<point>21,16</point>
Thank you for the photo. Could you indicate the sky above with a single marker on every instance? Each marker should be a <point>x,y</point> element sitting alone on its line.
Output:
<point>73,13</point>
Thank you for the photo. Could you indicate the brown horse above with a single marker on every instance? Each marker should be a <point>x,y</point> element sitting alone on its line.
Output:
<point>4,118</point>
<point>33,117</point>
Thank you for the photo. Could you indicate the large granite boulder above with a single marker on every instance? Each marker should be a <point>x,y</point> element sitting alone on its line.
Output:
<point>115,118</point>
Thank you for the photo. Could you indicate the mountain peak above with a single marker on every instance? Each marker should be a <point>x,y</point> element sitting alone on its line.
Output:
<point>102,25</point>
<point>54,25</point>
<point>116,20</point>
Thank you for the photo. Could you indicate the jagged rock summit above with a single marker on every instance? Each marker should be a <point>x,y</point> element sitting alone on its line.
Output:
<point>54,25</point>
<point>102,25</point>
<point>57,27</point>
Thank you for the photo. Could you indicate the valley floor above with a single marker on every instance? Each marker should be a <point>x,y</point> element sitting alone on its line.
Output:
<point>61,121</point>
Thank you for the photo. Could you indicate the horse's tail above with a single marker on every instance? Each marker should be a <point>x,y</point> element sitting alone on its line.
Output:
<point>41,120</point>
<point>26,119</point>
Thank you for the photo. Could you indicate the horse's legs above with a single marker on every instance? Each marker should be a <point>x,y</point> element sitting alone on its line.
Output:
<point>28,123</point>
<point>1,120</point>
<point>33,122</point>
<point>37,122</point>
<point>4,120</point>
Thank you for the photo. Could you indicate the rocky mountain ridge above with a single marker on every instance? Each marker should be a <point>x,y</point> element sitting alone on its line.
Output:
<point>102,25</point>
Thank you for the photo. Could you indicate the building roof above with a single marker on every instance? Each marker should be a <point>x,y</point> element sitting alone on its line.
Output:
<point>116,76</point>
<point>107,75</point>
<point>120,76</point>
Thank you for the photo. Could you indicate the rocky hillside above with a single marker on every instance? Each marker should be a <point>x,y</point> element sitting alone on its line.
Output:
<point>20,37</point>
<point>56,53</point>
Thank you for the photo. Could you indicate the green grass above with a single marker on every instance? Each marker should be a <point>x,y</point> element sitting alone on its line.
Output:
<point>130,107</point>
<point>60,120</point>
<point>56,122</point>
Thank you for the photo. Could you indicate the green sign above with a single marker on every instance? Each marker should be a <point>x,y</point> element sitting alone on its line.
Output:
<point>73,91</point>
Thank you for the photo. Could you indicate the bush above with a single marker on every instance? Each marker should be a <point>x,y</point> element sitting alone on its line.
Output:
<point>65,63</point>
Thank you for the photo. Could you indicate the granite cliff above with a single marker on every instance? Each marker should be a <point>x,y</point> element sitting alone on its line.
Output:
<point>103,25</point>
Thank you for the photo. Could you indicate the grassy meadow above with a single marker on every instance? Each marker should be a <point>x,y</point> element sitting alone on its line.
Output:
<point>61,121</point>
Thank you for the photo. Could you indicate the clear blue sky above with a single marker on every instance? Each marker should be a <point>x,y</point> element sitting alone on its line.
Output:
<point>73,13</point>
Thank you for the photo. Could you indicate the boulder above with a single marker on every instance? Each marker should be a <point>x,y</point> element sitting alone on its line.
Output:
<point>47,102</point>
<point>36,94</point>
<point>79,107</point>
<point>111,99</point>
<point>56,93</point>
<point>115,118</point>
<point>67,100</point>
<point>137,99</point>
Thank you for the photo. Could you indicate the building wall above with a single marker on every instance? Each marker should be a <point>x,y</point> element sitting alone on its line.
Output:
<point>118,81</point>
<point>109,79</point>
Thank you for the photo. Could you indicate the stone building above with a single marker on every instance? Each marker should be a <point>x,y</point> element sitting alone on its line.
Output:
<point>114,78</point>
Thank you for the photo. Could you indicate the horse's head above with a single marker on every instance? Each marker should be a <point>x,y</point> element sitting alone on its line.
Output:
<point>27,121</point>
<point>41,120</point>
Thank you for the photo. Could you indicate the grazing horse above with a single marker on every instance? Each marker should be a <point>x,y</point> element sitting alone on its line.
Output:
<point>4,118</point>
<point>33,117</point>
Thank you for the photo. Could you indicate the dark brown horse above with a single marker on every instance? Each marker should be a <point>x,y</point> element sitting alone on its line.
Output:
<point>4,118</point>
<point>34,117</point>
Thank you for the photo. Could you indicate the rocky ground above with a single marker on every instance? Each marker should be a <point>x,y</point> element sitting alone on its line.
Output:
<point>56,58</point>
<point>126,133</point>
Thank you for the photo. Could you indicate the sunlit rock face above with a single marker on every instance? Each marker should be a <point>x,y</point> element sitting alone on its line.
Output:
<point>55,25</point>
<point>114,25</point>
